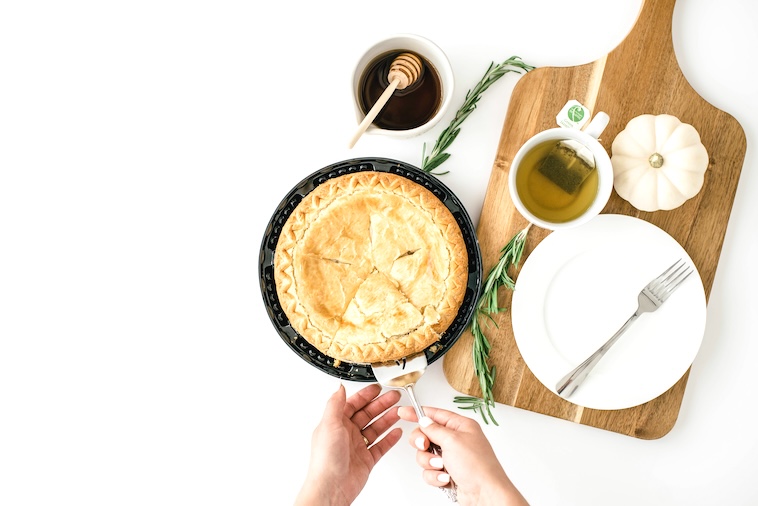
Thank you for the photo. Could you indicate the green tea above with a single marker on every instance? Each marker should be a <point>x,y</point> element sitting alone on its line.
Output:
<point>564,165</point>
<point>546,199</point>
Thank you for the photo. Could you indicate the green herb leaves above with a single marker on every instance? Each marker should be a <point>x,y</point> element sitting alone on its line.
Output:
<point>510,256</point>
<point>438,154</point>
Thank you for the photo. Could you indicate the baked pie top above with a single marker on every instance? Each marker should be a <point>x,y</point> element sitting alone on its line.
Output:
<point>370,267</point>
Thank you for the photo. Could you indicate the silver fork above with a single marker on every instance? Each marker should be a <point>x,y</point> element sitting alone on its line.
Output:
<point>649,299</point>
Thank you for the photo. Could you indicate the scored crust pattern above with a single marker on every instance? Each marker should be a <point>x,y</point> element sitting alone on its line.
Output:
<point>370,267</point>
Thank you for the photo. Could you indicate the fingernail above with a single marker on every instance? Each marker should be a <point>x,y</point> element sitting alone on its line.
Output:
<point>425,421</point>
<point>421,443</point>
<point>436,462</point>
<point>443,478</point>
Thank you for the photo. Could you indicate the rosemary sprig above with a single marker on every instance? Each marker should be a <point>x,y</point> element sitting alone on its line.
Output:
<point>510,256</point>
<point>438,155</point>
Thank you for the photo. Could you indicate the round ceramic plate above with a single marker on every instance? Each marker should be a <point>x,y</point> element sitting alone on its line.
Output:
<point>579,286</point>
<point>301,347</point>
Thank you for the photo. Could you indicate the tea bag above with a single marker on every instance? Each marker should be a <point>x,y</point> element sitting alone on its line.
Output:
<point>568,164</point>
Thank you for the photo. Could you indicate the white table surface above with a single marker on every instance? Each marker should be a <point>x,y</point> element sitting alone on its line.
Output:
<point>144,146</point>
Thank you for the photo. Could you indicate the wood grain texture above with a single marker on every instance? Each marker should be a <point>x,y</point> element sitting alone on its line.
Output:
<point>640,76</point>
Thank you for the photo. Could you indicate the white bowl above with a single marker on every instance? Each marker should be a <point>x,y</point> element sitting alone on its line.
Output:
<point>421,46</point>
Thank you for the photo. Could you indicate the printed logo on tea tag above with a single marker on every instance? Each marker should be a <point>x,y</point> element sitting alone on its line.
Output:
<point>573,115</point>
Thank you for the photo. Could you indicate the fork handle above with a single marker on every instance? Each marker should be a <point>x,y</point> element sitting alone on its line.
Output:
<point>570,382</point>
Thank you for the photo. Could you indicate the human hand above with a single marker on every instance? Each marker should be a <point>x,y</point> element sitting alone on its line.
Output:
<point>467,457</point>
<point>344,448</point>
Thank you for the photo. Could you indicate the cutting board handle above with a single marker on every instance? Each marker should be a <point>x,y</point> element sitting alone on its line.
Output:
<point>640,76</point>
<point>651,32</point>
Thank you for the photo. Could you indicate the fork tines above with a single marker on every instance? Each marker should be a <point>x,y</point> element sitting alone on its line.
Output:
<point>665,284</point>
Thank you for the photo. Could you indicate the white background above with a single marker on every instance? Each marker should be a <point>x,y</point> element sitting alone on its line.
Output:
<point>144,146</point>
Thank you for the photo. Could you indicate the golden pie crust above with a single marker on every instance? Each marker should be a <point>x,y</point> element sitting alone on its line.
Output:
<point>371,267</point>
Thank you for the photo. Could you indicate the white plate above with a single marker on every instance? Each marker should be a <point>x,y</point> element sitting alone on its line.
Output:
<point>580,285</point>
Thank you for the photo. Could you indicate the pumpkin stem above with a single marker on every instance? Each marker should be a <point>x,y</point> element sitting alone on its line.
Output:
<point>656,161</point>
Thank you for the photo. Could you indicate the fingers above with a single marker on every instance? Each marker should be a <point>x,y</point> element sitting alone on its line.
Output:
<point>436,477</point>
<point>380,425</point>
<point>440,416</point>
<point>429,460</point>
<point>335,405</point>
<point>373,415</point>
<point>407,413</point>
<point>374,407</point>
<point>419,440</point>
<point>427,429</point>
<point>361,398</point>
<point>380,448</point>
<point>433,468</point>
<point>445,428</point>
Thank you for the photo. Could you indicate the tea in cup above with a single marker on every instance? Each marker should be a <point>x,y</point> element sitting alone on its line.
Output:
<point>562,177</point>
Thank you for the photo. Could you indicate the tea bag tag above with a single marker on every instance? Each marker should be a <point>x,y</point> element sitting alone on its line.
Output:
<point>570,162</point>
<point>581,151</point>
<point>573,115</point>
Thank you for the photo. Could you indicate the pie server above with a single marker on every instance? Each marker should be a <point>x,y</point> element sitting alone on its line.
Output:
<point>403,375</point>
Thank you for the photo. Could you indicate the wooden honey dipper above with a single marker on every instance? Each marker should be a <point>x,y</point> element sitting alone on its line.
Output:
<point>404,71</point>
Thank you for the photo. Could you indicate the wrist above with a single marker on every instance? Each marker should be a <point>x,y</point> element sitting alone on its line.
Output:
<point>313,494</point>
<point>502,495</point>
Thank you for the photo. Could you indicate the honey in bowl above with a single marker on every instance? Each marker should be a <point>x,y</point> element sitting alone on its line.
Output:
<point>408,108</point>
<point>546,193</point>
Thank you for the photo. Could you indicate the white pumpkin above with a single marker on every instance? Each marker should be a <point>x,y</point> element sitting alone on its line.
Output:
<point>658,162</point>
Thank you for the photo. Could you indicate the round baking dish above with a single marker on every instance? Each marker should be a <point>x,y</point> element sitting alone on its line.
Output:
<point>306,351</point>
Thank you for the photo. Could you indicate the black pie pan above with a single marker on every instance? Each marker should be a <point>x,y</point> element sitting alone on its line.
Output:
<point>306,351</point>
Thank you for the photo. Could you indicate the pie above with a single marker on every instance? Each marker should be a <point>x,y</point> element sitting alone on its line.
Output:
<point>370,267</point>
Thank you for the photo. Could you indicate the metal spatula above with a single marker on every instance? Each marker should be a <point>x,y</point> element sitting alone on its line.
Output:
<point>403,375</point>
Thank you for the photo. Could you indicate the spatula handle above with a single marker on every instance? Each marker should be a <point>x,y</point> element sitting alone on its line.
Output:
<point>434,448</point>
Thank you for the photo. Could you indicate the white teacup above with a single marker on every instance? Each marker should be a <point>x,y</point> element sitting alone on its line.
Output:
<point>422,47</point>
<point>587,138</point>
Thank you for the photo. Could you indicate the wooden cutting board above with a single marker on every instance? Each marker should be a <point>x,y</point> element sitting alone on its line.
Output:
<point>640,76</point>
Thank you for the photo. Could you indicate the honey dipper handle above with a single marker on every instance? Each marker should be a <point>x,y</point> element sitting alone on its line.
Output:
<point>405,70</point>
<point>378,105</point>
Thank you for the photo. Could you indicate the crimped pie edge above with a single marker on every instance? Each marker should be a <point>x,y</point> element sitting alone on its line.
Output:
<point>294,229</point>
